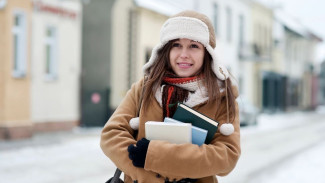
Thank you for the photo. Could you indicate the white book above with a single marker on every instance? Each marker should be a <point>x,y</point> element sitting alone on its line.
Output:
<point>198,134</point>
<point>177,133</point>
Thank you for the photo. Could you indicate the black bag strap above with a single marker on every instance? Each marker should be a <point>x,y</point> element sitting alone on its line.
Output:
<point>116,177</point>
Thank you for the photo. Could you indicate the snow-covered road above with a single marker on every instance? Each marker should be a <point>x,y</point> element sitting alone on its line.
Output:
<point>278,145</point>
<point>307,166</point>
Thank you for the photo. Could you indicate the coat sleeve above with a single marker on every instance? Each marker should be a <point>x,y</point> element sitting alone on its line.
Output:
<point>193,161</point>
<point>117,134</point>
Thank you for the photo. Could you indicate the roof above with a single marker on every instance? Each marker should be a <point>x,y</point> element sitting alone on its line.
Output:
<point>291,23</point>
<point>166,7</point>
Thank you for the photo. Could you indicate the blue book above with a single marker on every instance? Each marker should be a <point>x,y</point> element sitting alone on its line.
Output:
<point>198,134</point>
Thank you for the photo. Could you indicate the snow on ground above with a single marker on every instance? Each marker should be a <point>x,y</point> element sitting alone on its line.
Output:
<point>321,109</point>
<point>77,158</point>
<point>278,121</point>
<point>306,167</point>
<point>73,158</point>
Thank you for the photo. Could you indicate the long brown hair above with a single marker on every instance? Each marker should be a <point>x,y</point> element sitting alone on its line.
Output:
<point>162,65</point>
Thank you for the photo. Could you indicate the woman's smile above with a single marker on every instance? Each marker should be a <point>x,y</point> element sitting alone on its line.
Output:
<point>183,65</point>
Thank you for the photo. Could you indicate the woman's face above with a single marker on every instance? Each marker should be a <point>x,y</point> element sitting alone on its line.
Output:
<point>186,57</point>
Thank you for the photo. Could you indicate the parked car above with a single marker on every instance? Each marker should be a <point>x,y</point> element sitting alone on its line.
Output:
<point>248,113</point>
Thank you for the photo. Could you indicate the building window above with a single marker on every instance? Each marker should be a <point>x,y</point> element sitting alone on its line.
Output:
<point>229,23</point>
<point>241,30</point>
<point>19,44</point>
<point>240,85</point>
<point>215,17</point>
<point>266,34</point>
<point>50,53</point>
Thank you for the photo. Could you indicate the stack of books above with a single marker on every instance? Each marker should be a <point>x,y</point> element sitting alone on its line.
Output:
<point>186,126</point>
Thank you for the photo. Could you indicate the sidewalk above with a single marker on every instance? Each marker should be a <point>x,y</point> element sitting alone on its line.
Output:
<point>64,157</point>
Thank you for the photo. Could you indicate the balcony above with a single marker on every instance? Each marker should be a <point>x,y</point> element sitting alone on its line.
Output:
<point>254,52</point>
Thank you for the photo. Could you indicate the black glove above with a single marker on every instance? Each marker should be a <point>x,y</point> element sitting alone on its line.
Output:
<point>138,153</point>
<point>188,180</point>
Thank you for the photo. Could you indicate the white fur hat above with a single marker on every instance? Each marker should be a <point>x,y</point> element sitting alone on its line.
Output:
<point>191,25</point>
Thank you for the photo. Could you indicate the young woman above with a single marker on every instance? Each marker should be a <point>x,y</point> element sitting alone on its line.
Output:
<point>183,68</point>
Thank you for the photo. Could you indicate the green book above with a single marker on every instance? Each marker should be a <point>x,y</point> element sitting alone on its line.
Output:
<point>188,115</point>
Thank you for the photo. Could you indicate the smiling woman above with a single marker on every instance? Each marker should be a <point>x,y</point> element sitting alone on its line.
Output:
<point>183,68</point>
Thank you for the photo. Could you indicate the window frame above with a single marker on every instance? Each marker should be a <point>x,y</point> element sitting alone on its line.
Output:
<point>229,24</point>
<point>241,29</point>
<point>19,40</point>
<point>50,53</point>
<point>216,17</point>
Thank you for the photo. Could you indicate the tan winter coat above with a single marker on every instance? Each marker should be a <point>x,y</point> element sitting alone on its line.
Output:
<point>166,160</point>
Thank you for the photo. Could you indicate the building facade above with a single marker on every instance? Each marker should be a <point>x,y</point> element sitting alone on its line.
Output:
<point>40,66</point>
<point>64,63</point>
<point>294,53</point>
<point>256,58</point>
<point>97,50</point>
<point>56,64</point>
<point>15,70</point>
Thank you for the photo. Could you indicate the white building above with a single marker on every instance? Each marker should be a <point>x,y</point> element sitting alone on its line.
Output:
<point>56,63</point>
<point>231,19</point>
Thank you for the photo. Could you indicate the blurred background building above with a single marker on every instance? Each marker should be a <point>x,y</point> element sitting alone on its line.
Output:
<point>40,66</point>
<point>15,80</point>
<point>70,62</point>
<point>56,64</point>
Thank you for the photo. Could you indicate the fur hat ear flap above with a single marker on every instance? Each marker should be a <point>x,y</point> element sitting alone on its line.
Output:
<point>226,128</point>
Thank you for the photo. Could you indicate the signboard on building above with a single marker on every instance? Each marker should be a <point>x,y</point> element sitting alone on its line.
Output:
<point>40,6</point>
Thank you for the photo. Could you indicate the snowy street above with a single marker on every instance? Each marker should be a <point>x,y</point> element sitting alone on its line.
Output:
<point>271,150</point>
<point>285,147</point>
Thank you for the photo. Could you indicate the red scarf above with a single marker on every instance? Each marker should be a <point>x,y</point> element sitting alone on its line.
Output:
<point>173,93</point>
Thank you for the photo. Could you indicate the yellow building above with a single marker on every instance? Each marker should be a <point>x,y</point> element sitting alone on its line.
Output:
<point>132,43</point>
<point>149,37</point>
<point>15,18</point>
